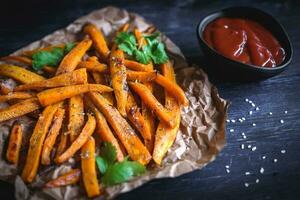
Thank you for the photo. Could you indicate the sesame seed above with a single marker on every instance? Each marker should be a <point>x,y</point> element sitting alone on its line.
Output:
<point>257,181</point>
<point>231,130</point>
<point>243,133</point>
<point>247,173</point>
<point>249,146</point>
<point>228,120</point>
<point>250,112</point>
<point>246,100</point>
<point>283,151</point>
<point>250,102</point>
<point>243,118</point>
<point>253,105</point>
<point>227,166</point>
<point>242,146</point>
<point>233,121</point>
<point>257,108</point>
<point>246,184</point>
<point>285,112</point>
<point>264,157</point>
<point>275,160</point>
<point>253,148</point>
<point>262,170</point>
<point>240,120</point>
<point>227,171</point>
<point>253,124</point>
<point>270,113</point>
<point>244,136</point>
<point>281,121</point>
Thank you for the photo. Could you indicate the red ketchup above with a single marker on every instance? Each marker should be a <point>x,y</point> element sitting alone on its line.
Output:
<point>245,41</point>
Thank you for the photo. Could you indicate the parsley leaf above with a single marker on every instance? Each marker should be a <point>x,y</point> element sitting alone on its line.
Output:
<point>50,58</point>
<point>108,152</point>
<point>154,50</point>
<point>122,171</point>
<point>102,164</point>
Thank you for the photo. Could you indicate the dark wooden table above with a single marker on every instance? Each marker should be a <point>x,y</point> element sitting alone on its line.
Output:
<point>31,20</point>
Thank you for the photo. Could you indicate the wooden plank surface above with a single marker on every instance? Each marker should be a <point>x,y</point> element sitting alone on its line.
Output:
<point>178,19</point>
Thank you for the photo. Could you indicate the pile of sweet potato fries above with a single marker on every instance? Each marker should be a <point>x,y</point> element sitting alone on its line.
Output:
<point>95,91</point>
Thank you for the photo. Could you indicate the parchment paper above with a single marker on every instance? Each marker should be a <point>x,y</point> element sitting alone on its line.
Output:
<point>200,138</point>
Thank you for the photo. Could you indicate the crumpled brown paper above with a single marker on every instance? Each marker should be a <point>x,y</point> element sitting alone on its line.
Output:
<point>202,129</point>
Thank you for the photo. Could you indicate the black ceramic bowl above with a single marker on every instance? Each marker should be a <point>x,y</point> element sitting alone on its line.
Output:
<point>237,70</point>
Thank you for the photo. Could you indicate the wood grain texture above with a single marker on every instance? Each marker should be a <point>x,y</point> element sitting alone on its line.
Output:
<point>178,20</point>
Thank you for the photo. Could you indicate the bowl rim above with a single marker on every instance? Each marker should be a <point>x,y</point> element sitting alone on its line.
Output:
<point>285,62</point>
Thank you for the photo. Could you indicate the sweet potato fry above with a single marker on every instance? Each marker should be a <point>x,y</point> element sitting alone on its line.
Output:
<point>16,95</point>
<point>103,130</point>
<point>86,132</point>
<point>93,66</point>
<point>172,88</point>
<point>14,144</point>
<point>88,167</point>
<point>123,28</point>
<point>69,178</point>
<point>29,53</point>
<point>101,79</point>
<point>19,74</point>
<point>52,135</point>
<point>36,142</point>
<point>136,66</point>
<point>118,79</point>
<point>136,117</point>
<point>19,109</point>
<point>76,116</point>
<point>72,78</point>
<point>71,60</point>
<point>150,29</point>
<point>139,37</point>
<point>140,76</point>
<point>148,98</point>
<point>4,90</point>
<point>18,59</point>
<point>134,147</point>
<point>62,145</point>
<point>98,40</point>
<point>55,95</point>
<point>165,136</point>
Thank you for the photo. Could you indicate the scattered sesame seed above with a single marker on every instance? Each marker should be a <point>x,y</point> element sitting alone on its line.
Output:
<point>246,100</point>
<point>257,108</point>
<point>253,105</point>
<point>285,112</point>
<point>243,133</point>
<point>244,136</point>
<point>227,166</point>
<point>246,184</point>
<point>249,146</point>
<point>283,151</point>
<point>275,160</point>
<point>240,120</point>
<point>231,130</point>
<point>242,146</point>
<point>247,173</point>
<point>264,157</point>
<point>281,121</point>
<point>262,170</point>
<point>250,102</point>
<point>227,120</point>
<point>257,181</point>
<point>270,113</point>
<point>243,118</point>
<point>253,148</point>
<point>227,171</point>
<point>233,121</point>
<point>250,112</point>
<point>253,124</point>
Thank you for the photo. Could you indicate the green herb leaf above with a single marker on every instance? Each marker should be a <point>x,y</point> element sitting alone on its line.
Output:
<point>102,164</point>
<point>122,171</point>
<point>50,58</point>
<point>126,42</point>
<point>142,56</point>
<point>158,53</point>
<point>108,152</point>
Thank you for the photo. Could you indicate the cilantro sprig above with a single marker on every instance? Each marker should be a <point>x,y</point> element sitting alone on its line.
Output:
<point>116,172</point>
<point>154,50</point>
<point>50,58</point>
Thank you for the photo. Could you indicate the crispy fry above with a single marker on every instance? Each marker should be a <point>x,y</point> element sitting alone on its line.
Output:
<point>139,37</point>
<point>100,79</point>
<point>19,59</point>
<point>76,116</point>
<point>93,66</point>
<point>165,136</point>
<point>55,95</point>
<point>172,88</point>
<point>148,98</point>
<point>150,29</point>
<point>19,109</point>
<point>71,60</point>
<point>136,117</point>
<point>62,145</point>
<point>14,144</point>
<point>19,74</point>
<point>69,178</point>
<point>52,135</point>
<point>88,166</point>
<point>140,76</point>
<point>50,70</point>
<point>16,95</point>
<point>118,79</point>
<point>72,78</point>
<point>49,48</point>
<point>36,142</point>
<point>136,66</point>
<point>86,132</point>
<point>4,90</point>
<point>134,147</point>
<point>123,28</point>
<point>98,40</point>
<point>103,130</point>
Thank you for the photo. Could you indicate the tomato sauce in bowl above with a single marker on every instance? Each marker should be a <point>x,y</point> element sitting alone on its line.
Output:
<point>244,40</point>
